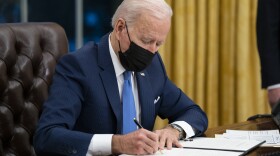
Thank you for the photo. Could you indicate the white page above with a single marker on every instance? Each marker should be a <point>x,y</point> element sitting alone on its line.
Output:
<point>194,152</point>
<point>245,132</point>
<point>221,144</point>
<point>270,136</point>
<point>269,140</point>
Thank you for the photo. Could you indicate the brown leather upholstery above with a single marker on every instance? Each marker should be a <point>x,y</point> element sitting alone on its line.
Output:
<point>28,55</point>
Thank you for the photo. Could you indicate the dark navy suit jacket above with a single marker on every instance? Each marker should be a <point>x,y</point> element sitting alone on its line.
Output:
<point>268,37</point>
<point>84,100</point>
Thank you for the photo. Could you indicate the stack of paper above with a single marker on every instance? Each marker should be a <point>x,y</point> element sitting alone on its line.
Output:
<point>270,136</point>
<point>237,145</point>
<point>193,152</point>
<point>212,147</point>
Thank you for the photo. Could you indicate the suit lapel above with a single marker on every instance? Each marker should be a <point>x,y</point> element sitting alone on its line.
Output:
<point>146,97</point>
<point>146,100</point>
<point>109,80</point>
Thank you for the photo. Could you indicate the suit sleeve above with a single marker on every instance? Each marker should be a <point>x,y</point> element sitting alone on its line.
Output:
<point>55,134</point>
<point>268,39</point>
<point>177,106</point>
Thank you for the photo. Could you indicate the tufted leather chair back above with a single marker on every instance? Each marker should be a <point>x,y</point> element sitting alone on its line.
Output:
<point>28,55</point>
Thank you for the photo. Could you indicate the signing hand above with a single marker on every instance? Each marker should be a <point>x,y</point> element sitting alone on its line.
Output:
<point>168,136</point>
<point>139,142</point>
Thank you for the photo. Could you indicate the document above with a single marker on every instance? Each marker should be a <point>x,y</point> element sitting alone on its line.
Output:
<point>194,152</point>
<point>271,137</point>
<point>212,147</point>
<point>237,145</point>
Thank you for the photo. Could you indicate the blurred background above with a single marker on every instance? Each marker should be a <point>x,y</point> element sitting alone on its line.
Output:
<point>210,52</point>
<point>83,20</point>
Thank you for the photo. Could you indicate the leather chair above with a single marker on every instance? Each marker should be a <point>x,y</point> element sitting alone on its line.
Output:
<point>28,55</point>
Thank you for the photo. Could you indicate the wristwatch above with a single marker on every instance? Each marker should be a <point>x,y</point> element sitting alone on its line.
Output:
<point>182,133</point>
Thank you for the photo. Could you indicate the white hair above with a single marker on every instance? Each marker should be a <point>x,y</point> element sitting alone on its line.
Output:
<point>129,10</point>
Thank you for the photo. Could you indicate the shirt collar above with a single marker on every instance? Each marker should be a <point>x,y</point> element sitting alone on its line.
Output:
<point>119,69</point>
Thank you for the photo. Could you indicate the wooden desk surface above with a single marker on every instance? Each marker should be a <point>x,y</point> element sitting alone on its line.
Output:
<point>258,124</point>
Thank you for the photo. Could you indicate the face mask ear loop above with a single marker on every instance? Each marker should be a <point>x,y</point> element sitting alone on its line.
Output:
<point>127,32</point>
<point>119,45</point>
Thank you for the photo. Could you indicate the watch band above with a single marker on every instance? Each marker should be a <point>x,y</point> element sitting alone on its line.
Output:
<point>182,133</point>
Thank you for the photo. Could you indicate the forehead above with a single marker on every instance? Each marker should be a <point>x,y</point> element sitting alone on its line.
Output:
<point>148,26</point>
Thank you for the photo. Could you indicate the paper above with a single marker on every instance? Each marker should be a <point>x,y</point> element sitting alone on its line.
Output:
<point>250,133</point>
<point>221,144</point>
<point>194,152</point>
<point>271,137</point>
<point>212,147</point>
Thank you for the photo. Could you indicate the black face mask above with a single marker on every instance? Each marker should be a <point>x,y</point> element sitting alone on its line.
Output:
<point>135,58</point>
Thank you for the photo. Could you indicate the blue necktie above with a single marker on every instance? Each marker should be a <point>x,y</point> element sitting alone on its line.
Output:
<point>129,111</point>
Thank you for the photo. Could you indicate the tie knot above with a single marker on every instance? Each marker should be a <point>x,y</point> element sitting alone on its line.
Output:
<point>127,75</point>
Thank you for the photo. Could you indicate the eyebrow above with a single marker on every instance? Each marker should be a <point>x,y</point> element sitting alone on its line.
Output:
<point>146,37</point>
<point>151,39</point>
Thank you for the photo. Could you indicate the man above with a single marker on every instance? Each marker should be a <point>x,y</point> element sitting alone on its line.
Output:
<point>268,37</point>
<point>86,112</point>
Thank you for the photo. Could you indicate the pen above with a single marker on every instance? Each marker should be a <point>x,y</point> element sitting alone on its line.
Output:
<point>188,139</point>
<point>140,126</point>
<point>137,123</point>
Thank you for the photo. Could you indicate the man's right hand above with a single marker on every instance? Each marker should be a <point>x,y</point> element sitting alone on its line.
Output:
<point>138,142</point>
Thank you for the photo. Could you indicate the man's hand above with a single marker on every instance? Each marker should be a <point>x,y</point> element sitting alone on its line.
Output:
<point>168,136</point>
<point>273,96</point>
<point>139,142</point>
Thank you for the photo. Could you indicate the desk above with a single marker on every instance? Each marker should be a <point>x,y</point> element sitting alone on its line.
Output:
<point>258,124</point>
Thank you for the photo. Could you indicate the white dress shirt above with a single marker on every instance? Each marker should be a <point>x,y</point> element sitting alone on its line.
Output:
<point>273,86</point>
<point>101,144</point>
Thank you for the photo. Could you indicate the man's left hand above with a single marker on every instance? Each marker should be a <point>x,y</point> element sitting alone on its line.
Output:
<point>168,136</point>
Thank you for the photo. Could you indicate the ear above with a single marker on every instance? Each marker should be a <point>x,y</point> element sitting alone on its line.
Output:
<point>119,27</point>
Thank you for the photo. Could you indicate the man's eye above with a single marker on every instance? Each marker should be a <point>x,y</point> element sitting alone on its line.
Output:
<point>158,44</point>
<point>146,41</point>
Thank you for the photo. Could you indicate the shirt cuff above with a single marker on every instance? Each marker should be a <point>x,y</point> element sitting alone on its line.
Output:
<point>100,144</point>
<point>186,127</point>
<point>273,86</point>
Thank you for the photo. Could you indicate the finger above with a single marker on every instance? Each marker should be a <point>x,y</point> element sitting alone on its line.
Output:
<point>149,139</point>
<point>148,149</point>
<point>153,136</point>
<point>151,143</point>
<point>169,143</point>
<point>154,140</point>
<point>176,143</point>
<point>162,142</point>
<point>141,148</point>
